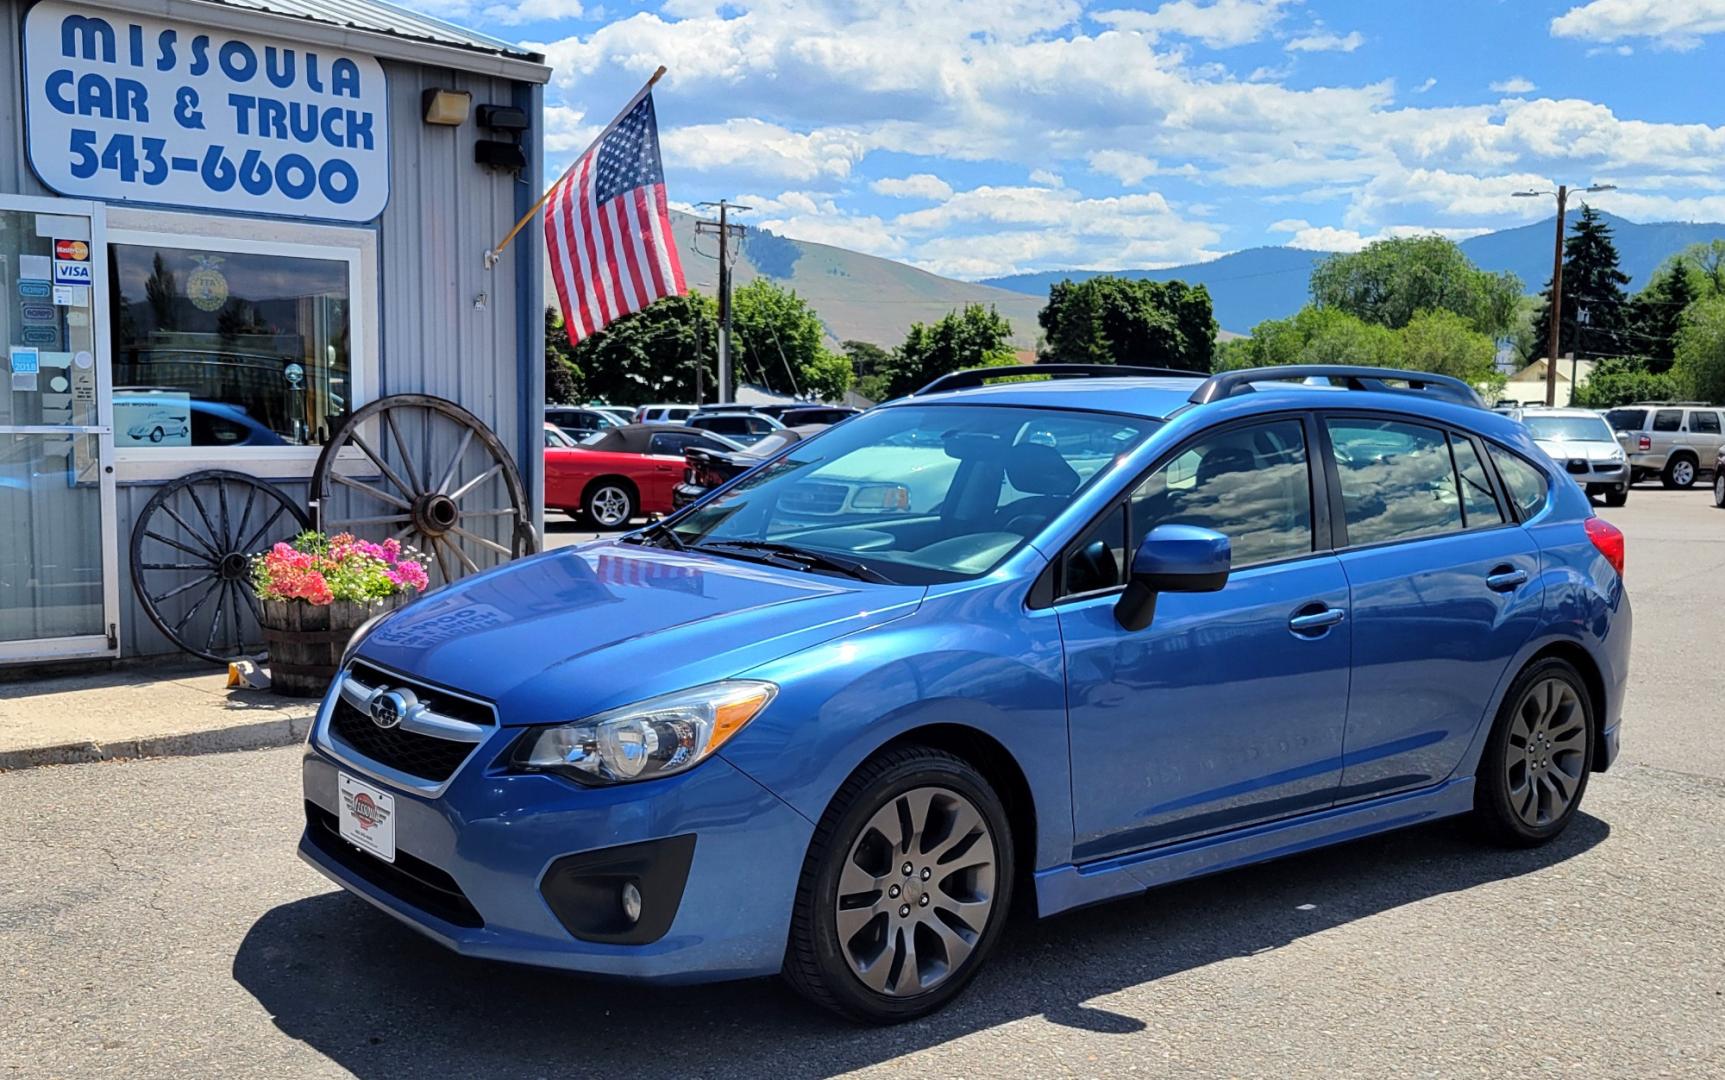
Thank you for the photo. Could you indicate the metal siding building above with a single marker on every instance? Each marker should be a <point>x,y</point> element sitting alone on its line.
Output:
<point>435,320</point>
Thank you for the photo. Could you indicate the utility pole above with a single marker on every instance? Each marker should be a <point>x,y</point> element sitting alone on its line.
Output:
<point>1556,308</point>
<point>725,231</point>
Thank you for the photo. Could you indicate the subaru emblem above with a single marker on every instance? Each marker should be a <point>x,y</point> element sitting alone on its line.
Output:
<point>389,708</point>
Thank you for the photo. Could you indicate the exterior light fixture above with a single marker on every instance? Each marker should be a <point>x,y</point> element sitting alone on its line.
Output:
<point>447,107</point>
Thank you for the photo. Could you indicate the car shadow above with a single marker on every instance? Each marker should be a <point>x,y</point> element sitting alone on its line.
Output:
<point>380,1001</point>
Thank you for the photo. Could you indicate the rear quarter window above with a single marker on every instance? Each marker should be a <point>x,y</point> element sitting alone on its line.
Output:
<point>1527,485</point>
<point>1627,419</point>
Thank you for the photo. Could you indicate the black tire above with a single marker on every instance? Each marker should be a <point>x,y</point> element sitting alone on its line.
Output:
<point>816,965</point>
<point>610,503</point>
<point>156,434</point>
<point>1676,476</point>
<point>1497,811</point>
<point>1616,498</point>
<point>1719,487</point>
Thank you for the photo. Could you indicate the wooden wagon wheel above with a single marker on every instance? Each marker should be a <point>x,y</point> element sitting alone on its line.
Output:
<point>426,472</point>
<point>191,558</point>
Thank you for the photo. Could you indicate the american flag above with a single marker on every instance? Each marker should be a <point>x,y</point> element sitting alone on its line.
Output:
<point>608,227</point>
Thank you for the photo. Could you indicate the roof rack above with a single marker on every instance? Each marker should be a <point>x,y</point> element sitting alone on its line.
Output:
<point>1698,404</point>
<point>1229,383</point>
<point>974,377</point>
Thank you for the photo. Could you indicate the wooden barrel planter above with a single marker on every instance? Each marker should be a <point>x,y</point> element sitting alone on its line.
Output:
<point>306,641</point>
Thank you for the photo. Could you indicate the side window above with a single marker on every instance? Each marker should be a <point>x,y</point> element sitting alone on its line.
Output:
<point>1098,559</point>
<point>667,444</point>
<point>1398,482</point>
<point>1478,504</point>
<point>1526,484</point>
<point>1250,484</point>
<point>1668,420</point>
<point>1627,419</point>
<point>1704,423</point>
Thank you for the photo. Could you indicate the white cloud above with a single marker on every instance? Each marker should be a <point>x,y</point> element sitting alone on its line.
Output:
<point>1326,41</point>
<point>1219,24</point>
<point>1047,178</point>
<point>1675,24</point>
<point>919,186</point>
<point>523,11</point>
<point>1515,84</point>
<point>1427,85</point>
<point>1123,165</point>
<point>762,149</point>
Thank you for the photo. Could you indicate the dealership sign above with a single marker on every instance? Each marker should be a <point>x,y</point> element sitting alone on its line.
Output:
<point>131,108</point>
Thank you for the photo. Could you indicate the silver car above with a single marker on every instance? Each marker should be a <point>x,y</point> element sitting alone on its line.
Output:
<point>1583,443</point>
<point>1673,440</point>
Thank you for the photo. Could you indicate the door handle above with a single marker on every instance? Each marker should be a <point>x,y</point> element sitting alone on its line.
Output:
<point>1316,620</point>
<point>1505,578</point>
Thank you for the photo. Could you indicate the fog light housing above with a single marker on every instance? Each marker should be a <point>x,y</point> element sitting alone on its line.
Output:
<point>625,895</point>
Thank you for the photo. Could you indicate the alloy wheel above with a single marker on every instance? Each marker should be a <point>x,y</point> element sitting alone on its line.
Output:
<point>1682,473</point>
<point>610,506</point>
<point>916,891</point>
<point>1719,487</point>
<point>1547,752</point>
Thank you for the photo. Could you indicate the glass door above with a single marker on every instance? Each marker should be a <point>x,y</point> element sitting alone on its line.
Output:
<point>58,555</point>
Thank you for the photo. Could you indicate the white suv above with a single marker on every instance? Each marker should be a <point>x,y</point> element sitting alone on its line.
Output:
<point>1674,440</point>
<point>1582,444</point>
<point>664,414</point>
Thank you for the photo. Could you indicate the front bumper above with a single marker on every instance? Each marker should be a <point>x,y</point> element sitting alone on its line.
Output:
<point>477,856</point>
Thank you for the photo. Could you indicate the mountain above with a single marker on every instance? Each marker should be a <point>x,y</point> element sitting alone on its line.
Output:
<point>1250,286</point>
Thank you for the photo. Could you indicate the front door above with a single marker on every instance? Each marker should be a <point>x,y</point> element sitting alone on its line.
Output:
<point>1229,708</point>
<point>58,559</point>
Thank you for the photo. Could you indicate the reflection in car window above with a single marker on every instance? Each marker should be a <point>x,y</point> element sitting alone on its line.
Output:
<point>1398,481</point>
<point>1627,419</point>
<point>1526,484</point>
<point>1478,503</point>
<point>1569,428</point>
<point>921,493</point>
<point>1249,484</point>
<point>1098,559</point>
<point>1668,420</point>
<point>1704,423</point>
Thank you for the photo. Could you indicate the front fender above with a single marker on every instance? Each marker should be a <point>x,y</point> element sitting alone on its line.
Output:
<point>968,658</point>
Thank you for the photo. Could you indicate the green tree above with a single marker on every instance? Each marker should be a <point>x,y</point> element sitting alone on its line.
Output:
<point>1113,320</point>
<point>1619,380</point>
<point>778,341</point>
<point>1656,314</point>
<point>1699,369</point>
<point>1316,335</point>
<point>868,364</point>
<point>1446,343</point>
<point>1706,265</point>
<point>563,381</point>
<point>1592,283</point>
<point>651,355</point>
<point>1389,281</point>
<point>972,337</point>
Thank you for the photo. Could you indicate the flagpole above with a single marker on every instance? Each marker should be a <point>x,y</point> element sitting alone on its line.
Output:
<point>494,254</point>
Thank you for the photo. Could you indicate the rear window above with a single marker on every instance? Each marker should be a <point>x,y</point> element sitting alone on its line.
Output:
<point>1627,419</point>
<point>1668,420</point>
<point>1704,423</point>
<point>1526,484</point>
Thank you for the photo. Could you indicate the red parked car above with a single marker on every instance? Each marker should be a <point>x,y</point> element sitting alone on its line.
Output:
<point>624,472</point>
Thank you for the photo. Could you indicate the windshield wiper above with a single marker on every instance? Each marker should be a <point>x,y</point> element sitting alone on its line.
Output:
<point>796,558</point>
<point>659,534</point>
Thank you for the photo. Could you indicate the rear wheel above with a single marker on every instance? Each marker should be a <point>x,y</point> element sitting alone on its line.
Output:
<point>904,891</point>
<point>1719,487</point>
<point>1680,472</point>
<point>1536,764</point>
<point>610,504</point>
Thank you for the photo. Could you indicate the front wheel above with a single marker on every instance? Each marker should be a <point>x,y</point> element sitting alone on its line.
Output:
<point>1536,764</point>
<point>1680,473</point>
<point>904,890</point>
<point>1719,487</point>
<point>1618,496</point>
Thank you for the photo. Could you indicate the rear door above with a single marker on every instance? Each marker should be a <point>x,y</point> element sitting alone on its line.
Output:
<point>1443,589</point>
<point>1704,434</point>
<point>1666,432</point>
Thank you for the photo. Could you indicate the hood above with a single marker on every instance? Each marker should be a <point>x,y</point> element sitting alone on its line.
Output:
<point>573,632</point>
<point>1562,449</point>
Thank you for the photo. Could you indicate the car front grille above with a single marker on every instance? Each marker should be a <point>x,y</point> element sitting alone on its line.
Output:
<point>814,498</point>
<point>410,752</point>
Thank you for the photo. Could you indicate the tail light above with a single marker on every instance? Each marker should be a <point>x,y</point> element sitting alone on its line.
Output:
<point>1608,538</point>
<point>1643,442</point>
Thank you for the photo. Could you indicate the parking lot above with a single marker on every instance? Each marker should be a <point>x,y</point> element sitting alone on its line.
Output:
<point>155,922</point>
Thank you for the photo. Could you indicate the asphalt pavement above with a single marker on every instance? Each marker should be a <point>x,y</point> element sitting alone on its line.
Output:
<point>155,923</point>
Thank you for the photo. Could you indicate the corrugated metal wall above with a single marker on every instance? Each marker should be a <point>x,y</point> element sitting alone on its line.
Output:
<point>449,327</point>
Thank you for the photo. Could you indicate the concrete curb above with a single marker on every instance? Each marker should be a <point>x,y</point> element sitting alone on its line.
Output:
<point>283,731</point>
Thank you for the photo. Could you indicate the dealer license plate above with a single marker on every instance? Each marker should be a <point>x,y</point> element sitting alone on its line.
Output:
<point>367,817</point>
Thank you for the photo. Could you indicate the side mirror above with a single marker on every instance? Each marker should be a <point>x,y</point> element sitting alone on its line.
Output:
<point>1173,558</point>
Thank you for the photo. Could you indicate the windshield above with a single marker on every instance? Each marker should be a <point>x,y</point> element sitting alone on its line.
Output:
<point>1569,428</point>
<point>919,494</point>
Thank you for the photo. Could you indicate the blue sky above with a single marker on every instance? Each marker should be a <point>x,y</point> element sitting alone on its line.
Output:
<point>983,138</point>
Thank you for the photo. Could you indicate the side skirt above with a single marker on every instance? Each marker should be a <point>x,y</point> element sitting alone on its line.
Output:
<point>1063,888</point>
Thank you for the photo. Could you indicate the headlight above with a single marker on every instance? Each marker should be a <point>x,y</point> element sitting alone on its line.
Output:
<point>656,737</point>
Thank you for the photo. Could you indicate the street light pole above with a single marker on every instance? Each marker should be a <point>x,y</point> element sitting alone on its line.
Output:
<point>725,232</point>
<point>1553,342</point>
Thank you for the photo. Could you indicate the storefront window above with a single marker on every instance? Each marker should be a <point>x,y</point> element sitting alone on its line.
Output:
<point>228,348</point>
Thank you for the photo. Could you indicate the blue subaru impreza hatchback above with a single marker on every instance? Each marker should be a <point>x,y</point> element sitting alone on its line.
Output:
<point>1037,643</point>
